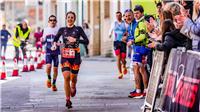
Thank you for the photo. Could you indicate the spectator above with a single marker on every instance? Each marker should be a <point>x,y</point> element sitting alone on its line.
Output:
<point>159,10</point>
<point>193,26</point>
<point>188,5</point>
<point>152,28</point>
<point>140,42</point>
<point>172,38</point>
<point>178,11</point>
<point>88,33</point>
<point>38,36</point>
<point>20,39</point>
<point>4,34</point>
<point>166,14</point>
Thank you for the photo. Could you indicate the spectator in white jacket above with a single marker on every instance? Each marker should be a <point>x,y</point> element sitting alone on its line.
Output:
<point>193,25</point>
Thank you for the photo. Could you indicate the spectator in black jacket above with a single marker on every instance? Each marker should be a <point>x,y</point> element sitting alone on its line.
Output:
<point>172,38</point>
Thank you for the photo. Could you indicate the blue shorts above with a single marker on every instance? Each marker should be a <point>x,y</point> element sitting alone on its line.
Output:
<point>139,52</point>
<point>54,58</point>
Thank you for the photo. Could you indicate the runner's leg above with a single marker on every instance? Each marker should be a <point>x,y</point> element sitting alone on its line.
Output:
<point>66,75</point>
<point>66,71</point>
<point>55,71</point>
<point>123,57</point>
<point>48,70</point>
<point>119,64</point>
<point>73,77</point>
<point>117,53</point>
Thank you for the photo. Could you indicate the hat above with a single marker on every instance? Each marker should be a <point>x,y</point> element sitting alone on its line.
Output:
<point>25,20</point>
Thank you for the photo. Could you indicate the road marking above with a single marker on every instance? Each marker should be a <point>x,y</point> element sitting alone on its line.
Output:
<point>8,79</point>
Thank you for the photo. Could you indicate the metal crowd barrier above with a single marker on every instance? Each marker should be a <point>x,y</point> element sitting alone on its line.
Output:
<point>181,84</point>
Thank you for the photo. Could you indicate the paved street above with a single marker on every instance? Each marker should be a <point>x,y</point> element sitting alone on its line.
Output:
<point>99,90</point>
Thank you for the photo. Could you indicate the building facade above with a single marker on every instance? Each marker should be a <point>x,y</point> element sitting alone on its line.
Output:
<point>99,14</point>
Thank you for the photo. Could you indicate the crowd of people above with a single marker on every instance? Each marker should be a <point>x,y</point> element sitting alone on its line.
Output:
<point>48,40</point>
<point>176,25</point>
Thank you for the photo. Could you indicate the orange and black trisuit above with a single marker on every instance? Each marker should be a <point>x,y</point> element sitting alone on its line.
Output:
<point>70,53</point>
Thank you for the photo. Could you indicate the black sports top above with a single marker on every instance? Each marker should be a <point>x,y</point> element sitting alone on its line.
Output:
<point>75,32</point>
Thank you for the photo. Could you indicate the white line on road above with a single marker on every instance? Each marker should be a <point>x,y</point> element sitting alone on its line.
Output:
<point>8,79</point>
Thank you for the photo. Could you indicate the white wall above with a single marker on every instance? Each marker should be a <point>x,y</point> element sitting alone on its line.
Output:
<point>79,13</point>
<point>63,6</point>
<point>47,11</point>
<point>124,4</point>
<point>61,10</point>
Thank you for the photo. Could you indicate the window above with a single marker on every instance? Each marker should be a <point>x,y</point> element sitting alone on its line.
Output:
<point>88,11</point>
<point>2,6</point>
<point>118,5</point>
<point>106,9</point>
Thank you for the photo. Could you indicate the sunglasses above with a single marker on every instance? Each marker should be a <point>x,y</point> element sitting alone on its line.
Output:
<point>52,20</point>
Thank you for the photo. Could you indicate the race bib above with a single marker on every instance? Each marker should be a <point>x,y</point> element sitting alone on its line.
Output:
<point>68,53</point>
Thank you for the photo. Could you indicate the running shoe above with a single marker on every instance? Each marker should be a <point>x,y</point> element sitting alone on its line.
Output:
<point>144,94</point>
<point>133,91</point>
<point>120,76</point>
<point>49,83</point>
<point>134,94</point>
<point>125,70</point>
<point>73,92</point>
<point>54,88</point>
<point>68,104</point>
